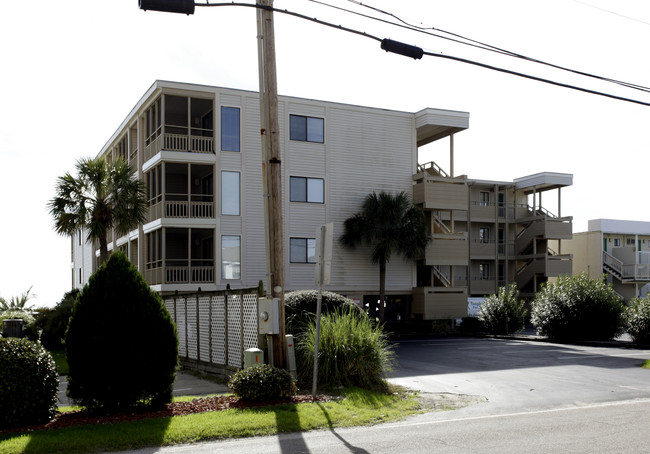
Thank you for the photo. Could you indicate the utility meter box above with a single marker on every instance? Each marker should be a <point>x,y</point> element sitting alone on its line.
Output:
<point>252,357</point>
<point>291,356</point>
<point>269,316</point>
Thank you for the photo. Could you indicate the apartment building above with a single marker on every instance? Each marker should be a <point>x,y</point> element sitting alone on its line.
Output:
<point>487,234</point>
<point>616,249</point>
<point>198,150</point>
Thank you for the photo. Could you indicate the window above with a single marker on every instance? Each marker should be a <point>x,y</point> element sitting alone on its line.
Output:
<point>230,193</point>
<point>629,241</point>
<point>306,129</point>
<point>617,242</point>
<point>484,198</point>
<point>484,271</point>
<point>229,128</point>
<point>484,235</point>
<point>303,250</point>
<point>310,190</point>
<point>230,257</point>
<point>80,277</point>
<point>154,185</point>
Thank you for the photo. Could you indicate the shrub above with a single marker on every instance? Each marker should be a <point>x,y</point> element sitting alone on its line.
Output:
<point>637,320</point>
<point>29,326</point>
<point>503,313</point>
<point>28,383</point>
<point>262,382</point>
<point>577,308</point>
<point>53,322</point>
<point>119,328</point>
<point>352,351</point>
<point>300,308</point>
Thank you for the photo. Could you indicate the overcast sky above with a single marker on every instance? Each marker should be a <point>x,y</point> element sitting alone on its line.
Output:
<point>72,71</point>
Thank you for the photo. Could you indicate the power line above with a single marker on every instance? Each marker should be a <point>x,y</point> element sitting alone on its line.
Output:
<point>482,45</point>
<point>431,54</point>
<point>613,12</point>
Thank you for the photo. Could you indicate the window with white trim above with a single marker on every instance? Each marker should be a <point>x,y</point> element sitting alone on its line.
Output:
<point>302,250</point>
<point>306,129</point>
<point>310,190</point>
<point>230,257</point>
<point>230,193</point>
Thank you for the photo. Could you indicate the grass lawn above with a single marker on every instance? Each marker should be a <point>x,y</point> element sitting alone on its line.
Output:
<point>61,361</point>
<point>645,364</point>
<point>359,407</point>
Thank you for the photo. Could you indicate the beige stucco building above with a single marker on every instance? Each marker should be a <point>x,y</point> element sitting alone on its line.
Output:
<point>617,249</point>
<point>198,150</point>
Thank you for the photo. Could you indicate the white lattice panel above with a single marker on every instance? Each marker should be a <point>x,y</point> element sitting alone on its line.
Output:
<point>204,328</point>
<point>234,331</point>
<point>169,305</point>
<point>250,321</point>
<point>192,335</point>
<point>180,326</point>
<point>218,323</point>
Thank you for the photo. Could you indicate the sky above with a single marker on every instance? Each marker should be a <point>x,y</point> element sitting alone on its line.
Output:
<point>72,71</point>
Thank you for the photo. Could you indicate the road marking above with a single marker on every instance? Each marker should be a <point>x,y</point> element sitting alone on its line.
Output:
<point>524,413</point>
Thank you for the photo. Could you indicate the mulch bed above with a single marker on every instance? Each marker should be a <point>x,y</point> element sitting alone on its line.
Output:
<point>200,405</point>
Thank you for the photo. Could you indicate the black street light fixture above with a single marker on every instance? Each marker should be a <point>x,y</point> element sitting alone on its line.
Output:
<point>168,6</point>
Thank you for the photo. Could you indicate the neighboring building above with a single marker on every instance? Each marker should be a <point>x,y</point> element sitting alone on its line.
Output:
<point>198,150</point>
<point>487,234</point>
<point>619,250</point>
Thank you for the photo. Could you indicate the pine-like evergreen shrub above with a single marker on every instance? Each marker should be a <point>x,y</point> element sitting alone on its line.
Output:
<point>121,343</point>
<point>28,383</point>
<point>503,312</point>
<point>53,322</point>
<point>262,382</point>
<point>353,351</point>
<point>577,308</point>
<point>637,320</point>
<point>300,308</point>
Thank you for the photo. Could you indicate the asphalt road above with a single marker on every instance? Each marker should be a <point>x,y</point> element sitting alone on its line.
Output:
<point>541,398</point>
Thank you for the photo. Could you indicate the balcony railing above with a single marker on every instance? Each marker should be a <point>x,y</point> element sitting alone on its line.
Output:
<point>182,208</point>
<point>179,142</point>
<point>180,274</point>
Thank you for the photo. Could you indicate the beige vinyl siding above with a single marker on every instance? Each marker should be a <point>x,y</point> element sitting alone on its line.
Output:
<point>367,150</point>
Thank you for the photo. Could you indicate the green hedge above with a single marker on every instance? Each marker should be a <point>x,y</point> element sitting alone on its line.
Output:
<point>504,312</point>
<point>28,383</point>
<point>262,382</point>
<point>637,320</point>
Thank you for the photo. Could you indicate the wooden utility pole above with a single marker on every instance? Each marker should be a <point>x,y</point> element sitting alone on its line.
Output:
<point>272,170</point>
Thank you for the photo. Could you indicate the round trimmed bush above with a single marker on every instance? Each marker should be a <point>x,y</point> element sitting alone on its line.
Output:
<point>262,382</point>
<point>121,342</point>
<point>300,308</point>
<point>577,308</point>
<point>28,383</point>
<point>352,351</point>
<point>637,320</point>
<point>503,313</point>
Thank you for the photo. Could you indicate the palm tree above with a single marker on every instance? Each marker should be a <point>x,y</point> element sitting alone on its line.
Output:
<point>17,303</point>
<point>100,198</point>
<point>390,224</point>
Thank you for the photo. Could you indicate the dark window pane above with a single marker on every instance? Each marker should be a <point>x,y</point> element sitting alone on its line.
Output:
<point>298,189</point>
<point>298,128</point>
<point>229,128</point>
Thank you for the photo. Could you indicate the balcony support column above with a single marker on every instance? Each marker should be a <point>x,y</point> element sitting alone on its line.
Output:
<point>451,156</point>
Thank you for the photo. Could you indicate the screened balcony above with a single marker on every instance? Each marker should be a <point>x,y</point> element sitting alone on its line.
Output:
<point>179,123</point>
<point>188,191</point>
<point>180,256</point>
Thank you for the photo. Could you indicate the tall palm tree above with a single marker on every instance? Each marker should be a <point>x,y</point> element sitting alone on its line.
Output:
<point>390,224</point>
<point>101,197</point>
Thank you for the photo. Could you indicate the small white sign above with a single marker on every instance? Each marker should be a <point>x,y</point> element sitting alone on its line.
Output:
<point>473,306</point>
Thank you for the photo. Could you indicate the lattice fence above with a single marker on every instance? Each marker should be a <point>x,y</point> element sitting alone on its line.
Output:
<point>214,328</point>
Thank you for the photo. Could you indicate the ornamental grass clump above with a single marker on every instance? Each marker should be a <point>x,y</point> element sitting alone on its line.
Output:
<point>353,351</point>
<point>577,308</point>
<point>637,320</point>
<point>28,384</point>
<point>503,313</point>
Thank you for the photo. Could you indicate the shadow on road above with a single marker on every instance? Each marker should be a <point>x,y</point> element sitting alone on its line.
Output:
<point>353,449</point>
